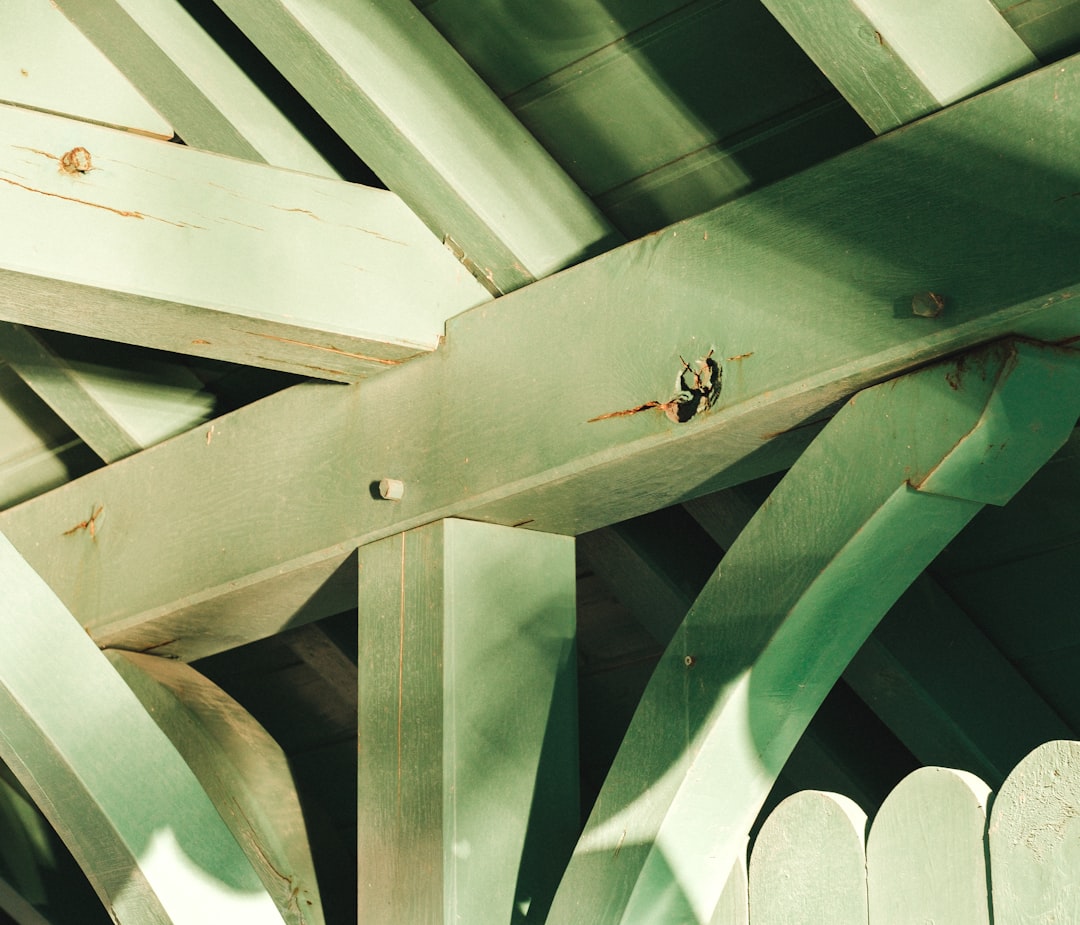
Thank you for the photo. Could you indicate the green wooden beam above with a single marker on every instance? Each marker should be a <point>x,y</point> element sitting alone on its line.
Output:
<point>241,768</point>
<point>898,60</point>
<point>49,65</point>
<point>396,91</point>
<point>207,97</point>
<point>467,789</point>
<point>804,291</point>
<point>130,809</point>
<point>39,880</point>
<point>116,412</point>
<point>136,240</point>
<point>898,472</point>
<point>950,696</point>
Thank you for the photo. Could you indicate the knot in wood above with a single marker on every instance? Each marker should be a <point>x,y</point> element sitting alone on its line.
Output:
<point>77,160</point>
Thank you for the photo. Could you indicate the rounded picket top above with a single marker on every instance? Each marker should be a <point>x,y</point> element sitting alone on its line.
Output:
<point>1035,838</point>
<point>926,855</point>
<point>808,864</point>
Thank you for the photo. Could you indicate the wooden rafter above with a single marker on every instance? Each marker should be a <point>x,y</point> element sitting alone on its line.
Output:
<point>853,522</point>
<point>396,91</point>
<point>272,499</point>
<point>207,97</point>
<point>896,61</point>
<point>126,238</point>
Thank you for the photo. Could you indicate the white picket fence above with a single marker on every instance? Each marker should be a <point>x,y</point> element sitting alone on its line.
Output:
<point>931,856</point>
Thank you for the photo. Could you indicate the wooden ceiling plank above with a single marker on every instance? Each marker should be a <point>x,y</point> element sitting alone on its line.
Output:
<point>133,813</point>
<point>853,522</point>
<point>127,238</point>
<point>951,697</point>
<point>805,294</point>
<point>897,60</point>
<point>407,103</point>
<point>466,639</point>
<point>207,97</point>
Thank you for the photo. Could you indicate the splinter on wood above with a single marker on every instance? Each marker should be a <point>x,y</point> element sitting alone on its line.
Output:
<point>696,390</point>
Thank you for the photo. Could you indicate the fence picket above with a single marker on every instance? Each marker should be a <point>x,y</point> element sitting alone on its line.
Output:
<point>1035,839</point>
<point>809,863</point>
<point>926,854</point>
<point>731,907</point>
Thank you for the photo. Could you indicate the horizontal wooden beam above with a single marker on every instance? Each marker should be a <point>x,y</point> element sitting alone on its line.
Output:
<point>397,92</point>
<point>803,291</point>
<point>207,97</point>
<point>127,238</point>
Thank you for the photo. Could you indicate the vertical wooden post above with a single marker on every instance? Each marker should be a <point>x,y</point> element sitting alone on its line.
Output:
<point>467,769</point>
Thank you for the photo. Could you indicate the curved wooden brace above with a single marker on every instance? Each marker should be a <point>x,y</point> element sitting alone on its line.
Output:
<point>241,768</point>
<point>39,882</point>
<point>130,809</point>
<point>849,527</point>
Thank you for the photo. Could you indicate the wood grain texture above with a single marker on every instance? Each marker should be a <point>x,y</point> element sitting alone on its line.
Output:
<point>804,288</point>
<point>127,805</point>
<point>809,863</point>
<point>234,260</point>
<point>897,61</point>
<point>113,412</point>
<point>1033,834</point>
<point>795,597</point>
<point>49,65</point>
<point>392,87</point>
<point>926,854</point>
<point>468,757</point>
<point>206,96</point>
<point>241,768</point>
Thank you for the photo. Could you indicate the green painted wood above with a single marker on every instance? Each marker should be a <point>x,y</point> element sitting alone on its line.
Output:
<point>731,908</point>
<point>115,411</point>
<point>207,97</point>
<point>926,854</point>
<point>808,864</point>
<point>235,260</point>
<point>659,96</point>
<point>49,65</point>
<point>655,580</point>
<point>131,811</point>
<point>897,61</point>
<point>1050,28</point>
<point>392,87</point>
<point>946,691</point>
<point>1034,848</point>
<point>37,450</point>
<point>704,179</point>
<point>512,47</point>
<point>39,880</point>
<point>795,597</point>
<point>804,288</point>
<point>467,789</point>
<point>241,768</point>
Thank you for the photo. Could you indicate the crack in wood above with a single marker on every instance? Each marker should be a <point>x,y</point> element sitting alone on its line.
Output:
<point>335,350</point>
<point>97,205</point>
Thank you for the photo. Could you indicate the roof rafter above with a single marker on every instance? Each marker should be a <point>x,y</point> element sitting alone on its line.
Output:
<point>803,294</point>
<point>894,63</point>
<point>407,103</point>
<point>209,100</point>
<point>116,236</point>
